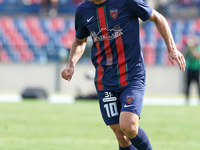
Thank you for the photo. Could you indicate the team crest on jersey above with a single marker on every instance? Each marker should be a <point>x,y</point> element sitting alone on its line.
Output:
<point>114,13</point>
<point>129,98</point>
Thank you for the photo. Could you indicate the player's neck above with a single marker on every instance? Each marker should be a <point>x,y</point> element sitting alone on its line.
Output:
<point>99,1</point>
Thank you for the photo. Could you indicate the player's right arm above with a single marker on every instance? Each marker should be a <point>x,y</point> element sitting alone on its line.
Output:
<point>77,50</point>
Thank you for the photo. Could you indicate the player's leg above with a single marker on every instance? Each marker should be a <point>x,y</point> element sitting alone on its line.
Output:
<point>189,79</point>
<point>132,103</point>
<point>137,136</point>
<point>129,124</point>
<point>110,107</point>
<point>197,81</point>
<point>123,140</point>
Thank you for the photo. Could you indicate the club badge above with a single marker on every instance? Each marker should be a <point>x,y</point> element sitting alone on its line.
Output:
<point>129,98</point>
<point>114,13</point>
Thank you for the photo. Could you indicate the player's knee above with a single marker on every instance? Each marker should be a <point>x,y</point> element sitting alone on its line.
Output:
<point>129,130</point>
<point>129,124</point>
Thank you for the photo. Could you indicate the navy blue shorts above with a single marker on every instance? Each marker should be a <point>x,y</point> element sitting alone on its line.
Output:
<point>128,98</point>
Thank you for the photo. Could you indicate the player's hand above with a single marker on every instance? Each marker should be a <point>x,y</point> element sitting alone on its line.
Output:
<point>179,58</point>
<point>67,73</point>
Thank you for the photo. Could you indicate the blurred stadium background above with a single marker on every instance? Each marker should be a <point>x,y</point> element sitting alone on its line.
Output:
<point>34,47</point>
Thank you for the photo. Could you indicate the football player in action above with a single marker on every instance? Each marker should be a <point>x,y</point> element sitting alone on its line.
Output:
<point>118,60</point>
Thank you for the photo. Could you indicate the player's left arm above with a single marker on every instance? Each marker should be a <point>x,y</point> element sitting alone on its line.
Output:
<point>163,28</point>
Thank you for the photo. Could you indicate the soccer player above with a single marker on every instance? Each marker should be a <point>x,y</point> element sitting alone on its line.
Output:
<point>117,57</point>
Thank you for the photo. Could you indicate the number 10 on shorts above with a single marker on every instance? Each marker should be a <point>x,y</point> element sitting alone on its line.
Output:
<point>111,109</point>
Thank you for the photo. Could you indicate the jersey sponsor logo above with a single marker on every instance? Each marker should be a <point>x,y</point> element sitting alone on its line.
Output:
<point>109,99</point>
<point>113,33</point>
<point>88,20</point>
<point>129,98</point>
<point>114,13</point>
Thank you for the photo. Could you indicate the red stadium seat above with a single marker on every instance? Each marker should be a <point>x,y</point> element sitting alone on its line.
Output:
<point>26,55</point>
<point>32,22</point>
<point>57,24</point>
<point>142,33</point>
<point>1,44</point>
<point>4,56</point>
<point>149,52</point>
<point>184,40</point>
<point>197,25</point>
<point>68,38</point>
<point>7,22</point>
<point>36,31</point>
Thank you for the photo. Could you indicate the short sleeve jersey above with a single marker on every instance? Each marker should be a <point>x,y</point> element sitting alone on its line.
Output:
<point>116,52</point>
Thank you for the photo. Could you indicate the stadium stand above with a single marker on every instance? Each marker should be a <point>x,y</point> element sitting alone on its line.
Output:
<point>34,38</point>
<point>30,39</point>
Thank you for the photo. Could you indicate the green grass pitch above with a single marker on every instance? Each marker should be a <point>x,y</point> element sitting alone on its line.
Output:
<point>39,125</point>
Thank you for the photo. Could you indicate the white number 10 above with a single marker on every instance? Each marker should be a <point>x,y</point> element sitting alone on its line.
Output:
<point>111,109</point>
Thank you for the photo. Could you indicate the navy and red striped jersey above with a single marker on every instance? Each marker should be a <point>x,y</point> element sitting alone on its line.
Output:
<point>116,51</point>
